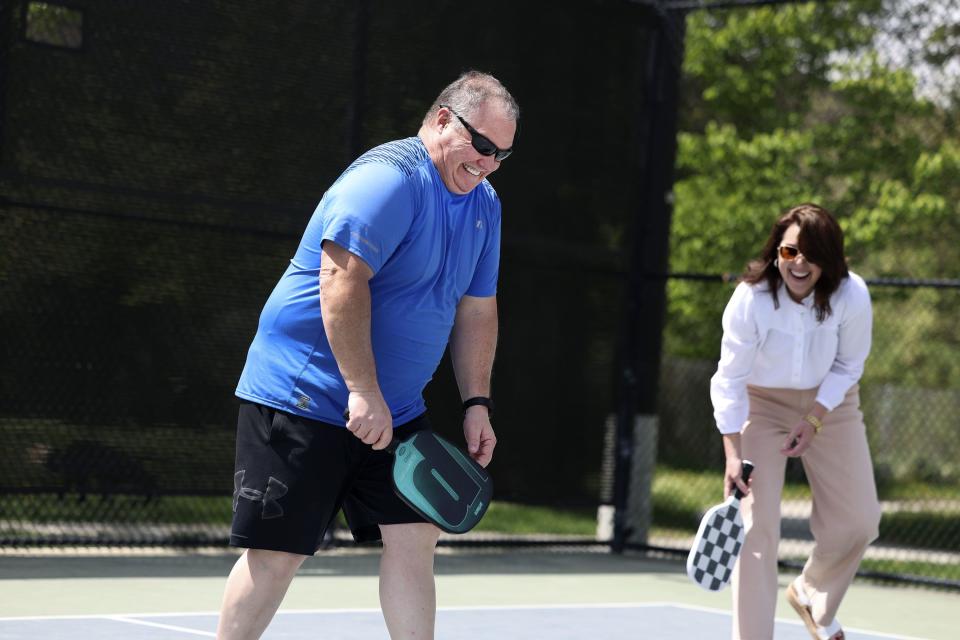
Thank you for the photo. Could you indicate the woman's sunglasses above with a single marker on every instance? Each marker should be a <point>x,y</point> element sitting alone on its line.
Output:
<point>788,253</point>
<point>480,142</point>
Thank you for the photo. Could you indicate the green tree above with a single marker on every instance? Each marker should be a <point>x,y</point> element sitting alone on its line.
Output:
<point>787,104</point>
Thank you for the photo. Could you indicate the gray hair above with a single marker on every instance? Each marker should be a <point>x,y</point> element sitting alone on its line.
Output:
<point>465,95</point>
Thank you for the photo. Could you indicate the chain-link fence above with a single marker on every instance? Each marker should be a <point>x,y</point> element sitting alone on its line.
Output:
<point>158,162</point>
<point>911,405</point>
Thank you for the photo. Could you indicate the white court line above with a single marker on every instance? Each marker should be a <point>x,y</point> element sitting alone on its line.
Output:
<point>607,605</point>
<point>797,623</point>
<point>168,627</point>
<point>517,607</point>
<point>504,607</point>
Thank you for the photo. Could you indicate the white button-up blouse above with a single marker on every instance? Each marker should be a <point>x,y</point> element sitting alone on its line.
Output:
<point>786,348</point>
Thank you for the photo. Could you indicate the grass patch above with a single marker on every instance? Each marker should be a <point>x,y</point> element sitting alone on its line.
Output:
<point>913,569</point>
<point>46,508</point>
<point>512,518</point>
<point>922,529</point>
<point>914,490</point>
<point>501,517</point>
<point>680,496</point>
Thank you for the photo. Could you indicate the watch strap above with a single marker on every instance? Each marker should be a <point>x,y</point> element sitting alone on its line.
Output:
<point>478,400</point>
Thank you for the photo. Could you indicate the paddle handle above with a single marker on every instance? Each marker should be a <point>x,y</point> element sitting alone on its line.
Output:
<point>746,470</point>
<point>394,441</point>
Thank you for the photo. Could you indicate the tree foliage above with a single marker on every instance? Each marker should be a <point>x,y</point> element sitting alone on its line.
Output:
<point>823,102</point>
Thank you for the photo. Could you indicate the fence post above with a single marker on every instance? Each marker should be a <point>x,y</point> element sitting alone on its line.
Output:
<point>656,142</point>
<point>639,518</point>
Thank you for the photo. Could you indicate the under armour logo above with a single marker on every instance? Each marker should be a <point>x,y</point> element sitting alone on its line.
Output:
<point>275,490</point>
<point>479,223</point>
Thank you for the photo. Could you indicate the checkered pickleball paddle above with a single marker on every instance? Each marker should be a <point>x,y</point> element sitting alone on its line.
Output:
<point>719,539</point>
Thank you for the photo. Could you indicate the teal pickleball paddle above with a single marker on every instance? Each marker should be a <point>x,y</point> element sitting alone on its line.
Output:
<point>439,480</point>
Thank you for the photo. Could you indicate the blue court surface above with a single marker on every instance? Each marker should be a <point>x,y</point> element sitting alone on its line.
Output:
<point>666,621</point>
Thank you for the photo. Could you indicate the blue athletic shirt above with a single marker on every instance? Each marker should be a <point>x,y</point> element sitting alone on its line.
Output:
<point>427,248</point>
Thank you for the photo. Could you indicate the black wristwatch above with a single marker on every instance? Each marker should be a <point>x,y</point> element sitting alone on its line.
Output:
<point>481,400</point>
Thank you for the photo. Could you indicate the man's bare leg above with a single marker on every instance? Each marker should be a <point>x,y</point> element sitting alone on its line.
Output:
<point>407,592</point>
<point>254,590</point>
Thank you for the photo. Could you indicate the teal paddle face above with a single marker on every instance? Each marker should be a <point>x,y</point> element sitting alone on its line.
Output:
<point>441,482</point>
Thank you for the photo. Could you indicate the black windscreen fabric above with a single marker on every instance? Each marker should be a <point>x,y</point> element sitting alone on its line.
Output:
<point>155,180</point>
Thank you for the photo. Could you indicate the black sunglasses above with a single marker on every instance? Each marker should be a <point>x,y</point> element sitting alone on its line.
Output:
<point>480,142</point>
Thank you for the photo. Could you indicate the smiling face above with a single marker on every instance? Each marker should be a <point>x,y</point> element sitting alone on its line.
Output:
<point>461,166</point>
<point>798,275</point>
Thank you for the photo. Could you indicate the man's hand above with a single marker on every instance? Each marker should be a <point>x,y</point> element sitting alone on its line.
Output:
<point>370,418</point>
<point>479,435</point>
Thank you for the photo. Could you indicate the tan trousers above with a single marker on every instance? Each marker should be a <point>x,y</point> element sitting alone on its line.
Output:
<point>845,517</point>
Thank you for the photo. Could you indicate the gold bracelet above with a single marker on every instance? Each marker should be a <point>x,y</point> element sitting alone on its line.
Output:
<point>814,422</point>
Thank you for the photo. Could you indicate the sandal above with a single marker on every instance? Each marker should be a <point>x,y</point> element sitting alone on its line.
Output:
<point>798,599</point>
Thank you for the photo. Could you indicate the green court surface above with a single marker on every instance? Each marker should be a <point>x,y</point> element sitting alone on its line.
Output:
<point>87,583</point>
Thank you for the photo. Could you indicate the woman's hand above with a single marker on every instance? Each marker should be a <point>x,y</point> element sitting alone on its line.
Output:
<point>799,439</point>
<point>733,470</point>
<point>733,477</point>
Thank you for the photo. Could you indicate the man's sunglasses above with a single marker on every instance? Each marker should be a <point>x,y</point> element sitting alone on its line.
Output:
<point>480,142</point>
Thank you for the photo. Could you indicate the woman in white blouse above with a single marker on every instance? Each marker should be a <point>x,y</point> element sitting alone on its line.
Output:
<point>796,333</point>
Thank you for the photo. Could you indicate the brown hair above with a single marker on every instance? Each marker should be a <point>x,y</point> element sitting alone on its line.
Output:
<point>821,243</point>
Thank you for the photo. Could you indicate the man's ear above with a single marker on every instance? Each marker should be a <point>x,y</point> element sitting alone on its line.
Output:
<point>443,117</point>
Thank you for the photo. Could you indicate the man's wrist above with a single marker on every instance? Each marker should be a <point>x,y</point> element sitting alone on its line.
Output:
<point>482,401</point>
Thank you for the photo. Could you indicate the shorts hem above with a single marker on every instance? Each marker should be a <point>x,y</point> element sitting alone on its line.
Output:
<point>371,532</point>
<point>248,544</point>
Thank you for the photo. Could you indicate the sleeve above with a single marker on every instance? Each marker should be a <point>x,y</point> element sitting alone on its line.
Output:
<point>484,283</point>
<point>738,348</point>
<point>368,212</point>
<point>853,346</point>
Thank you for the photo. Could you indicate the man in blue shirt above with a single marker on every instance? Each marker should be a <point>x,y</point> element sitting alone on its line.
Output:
<point>400,257</point>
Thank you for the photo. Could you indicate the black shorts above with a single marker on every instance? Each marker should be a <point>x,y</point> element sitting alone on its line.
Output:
<point>293,475</point>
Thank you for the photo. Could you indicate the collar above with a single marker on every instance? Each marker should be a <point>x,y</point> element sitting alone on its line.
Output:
<point>783,293</point>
